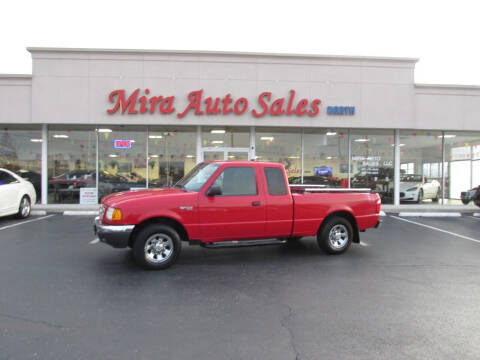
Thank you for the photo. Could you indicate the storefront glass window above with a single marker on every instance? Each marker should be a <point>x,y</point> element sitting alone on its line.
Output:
<point>21,152</point>
<point>372,161</point>
<point>325,157</point>
<point>460,151</point>
<point>282,146</point>
<point>122,159</point>
<point>71,164</point>
<point>171,154</point>
<point>420,166</point>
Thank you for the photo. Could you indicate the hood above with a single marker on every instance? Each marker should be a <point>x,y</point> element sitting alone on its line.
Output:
<point>407,185</point>
<point>126,196</point>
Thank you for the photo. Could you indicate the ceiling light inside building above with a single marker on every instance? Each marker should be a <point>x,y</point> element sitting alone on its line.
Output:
<point>113,155</point>
<point>217,142</point>
<point>217,132</point>
<point>399,145</point>
<point>155,136</point>
<point>189,156</point>
<point>267,138</point>
<point>331,133</point>
<point>294,157</point>
<point>362,140</point>
<point>154,156</point>
<point>36,140</point>
<point>104,130</point>
<point>60,136</point>
<point>449,136</point>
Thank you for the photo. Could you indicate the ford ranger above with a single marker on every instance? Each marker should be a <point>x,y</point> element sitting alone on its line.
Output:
<point>231,204</point>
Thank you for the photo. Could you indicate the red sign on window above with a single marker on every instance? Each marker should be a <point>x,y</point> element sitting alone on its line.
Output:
<point>122,144</point>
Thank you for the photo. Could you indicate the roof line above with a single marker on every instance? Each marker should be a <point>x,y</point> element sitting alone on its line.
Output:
<point>211,52</point>
<point>447,86</point>
<point>22,76</point>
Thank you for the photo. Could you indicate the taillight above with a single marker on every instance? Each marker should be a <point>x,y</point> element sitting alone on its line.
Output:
<point>379,205</point>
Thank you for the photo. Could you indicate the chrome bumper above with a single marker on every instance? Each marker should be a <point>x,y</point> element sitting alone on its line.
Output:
<point>117,236</point>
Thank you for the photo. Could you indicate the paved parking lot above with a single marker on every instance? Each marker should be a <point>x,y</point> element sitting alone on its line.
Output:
<point>410,291</point>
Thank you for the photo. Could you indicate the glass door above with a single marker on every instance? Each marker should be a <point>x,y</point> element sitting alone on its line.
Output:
<point>212,154</point>
<point>237,155</point>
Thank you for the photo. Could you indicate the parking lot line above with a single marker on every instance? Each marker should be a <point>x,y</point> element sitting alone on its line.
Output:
<point>27,221</point>
<point>437,229</point>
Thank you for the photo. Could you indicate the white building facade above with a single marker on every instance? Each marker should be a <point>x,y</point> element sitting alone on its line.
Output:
<point>90,122</point>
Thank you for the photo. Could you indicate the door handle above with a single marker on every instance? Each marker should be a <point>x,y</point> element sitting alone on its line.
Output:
<point>256,203</point>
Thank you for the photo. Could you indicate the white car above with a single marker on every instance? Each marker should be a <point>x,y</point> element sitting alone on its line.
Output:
<point>417,188</point>
<point>16,195</point>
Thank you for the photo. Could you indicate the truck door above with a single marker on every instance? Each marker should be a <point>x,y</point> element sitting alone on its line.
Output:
<point>279,203</point>
<point>238,211</point>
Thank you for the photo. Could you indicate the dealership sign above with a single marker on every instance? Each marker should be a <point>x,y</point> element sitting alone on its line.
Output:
<point>198,104</point>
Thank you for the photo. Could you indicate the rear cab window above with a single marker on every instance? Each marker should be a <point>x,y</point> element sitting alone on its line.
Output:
<point>275,181</point>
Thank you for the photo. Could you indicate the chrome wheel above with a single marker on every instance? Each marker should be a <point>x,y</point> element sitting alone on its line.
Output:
<point>338,236</point>
<point>25,207</point>
<point>158,248</point>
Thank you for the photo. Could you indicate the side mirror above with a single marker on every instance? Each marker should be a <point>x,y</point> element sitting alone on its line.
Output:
<point>214,190</point>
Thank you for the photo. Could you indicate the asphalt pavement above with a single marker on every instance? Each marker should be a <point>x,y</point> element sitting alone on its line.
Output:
<point>410,291</point>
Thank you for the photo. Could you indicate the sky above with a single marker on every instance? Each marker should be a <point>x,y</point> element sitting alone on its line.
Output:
<point>444,35</point>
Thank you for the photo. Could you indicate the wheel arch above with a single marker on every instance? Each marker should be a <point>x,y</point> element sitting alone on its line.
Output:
<point>346,215</point>
<point>182,232</point>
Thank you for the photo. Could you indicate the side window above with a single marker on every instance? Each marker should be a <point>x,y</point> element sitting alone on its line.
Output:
<point>6,178</point>
<point>237,181</point>
<point>275,181</point>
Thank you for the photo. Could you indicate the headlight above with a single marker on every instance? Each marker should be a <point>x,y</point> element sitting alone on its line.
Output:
<point>413,188</point>
<point>114,214</point>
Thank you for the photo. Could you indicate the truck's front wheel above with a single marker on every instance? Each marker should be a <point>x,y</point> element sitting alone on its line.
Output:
<point>157,247</point>
<point>335,236</point>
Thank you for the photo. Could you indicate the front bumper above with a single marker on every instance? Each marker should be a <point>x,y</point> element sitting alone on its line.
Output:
<point>113,235</point>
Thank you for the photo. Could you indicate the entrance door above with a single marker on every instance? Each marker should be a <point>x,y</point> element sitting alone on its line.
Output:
<point>227,153</point>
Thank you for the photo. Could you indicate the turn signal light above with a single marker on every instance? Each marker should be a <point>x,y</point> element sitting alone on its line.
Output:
<point>117,215</point>
<point>114,214</point>
<point>379,205</point>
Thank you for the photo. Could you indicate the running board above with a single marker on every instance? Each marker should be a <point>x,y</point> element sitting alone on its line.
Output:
<point>242,243</point>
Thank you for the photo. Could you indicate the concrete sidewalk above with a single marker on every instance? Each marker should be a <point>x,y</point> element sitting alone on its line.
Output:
<point>70,208</point>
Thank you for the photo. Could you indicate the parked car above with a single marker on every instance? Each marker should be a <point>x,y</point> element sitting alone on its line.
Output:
<point>231,204</point>
<point>417,188</point>
<point>472,194</point>
<point>16,195</point>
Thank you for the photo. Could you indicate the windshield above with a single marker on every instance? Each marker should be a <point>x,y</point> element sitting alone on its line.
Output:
<point>197,177</point>
<point>411,178</point>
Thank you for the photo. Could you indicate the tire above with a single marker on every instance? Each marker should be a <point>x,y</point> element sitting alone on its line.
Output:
<point>335,235</point>
<point>420,196</point>
<point>465,201</point>
<point>24,208</point>
<point>437,197</point>
<point>157,247</point>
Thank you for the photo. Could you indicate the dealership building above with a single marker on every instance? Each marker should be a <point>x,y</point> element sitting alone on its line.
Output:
<point>89,122</point>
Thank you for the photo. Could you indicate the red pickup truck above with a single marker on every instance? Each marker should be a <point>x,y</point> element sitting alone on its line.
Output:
<point>230,204</point>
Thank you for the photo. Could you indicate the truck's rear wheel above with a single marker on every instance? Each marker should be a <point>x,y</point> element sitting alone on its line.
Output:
<point>157,247</point>
<point>335,235</point>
